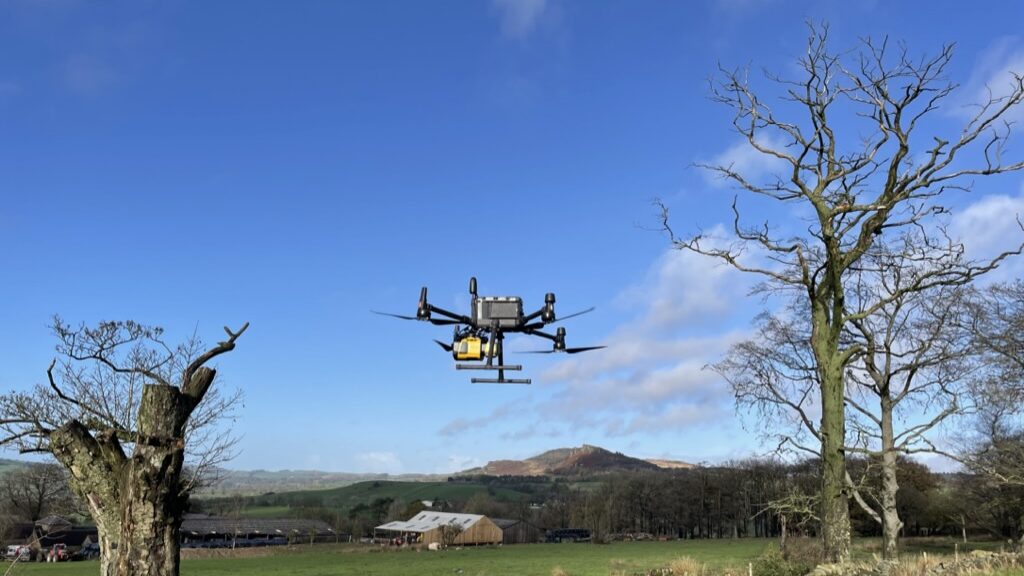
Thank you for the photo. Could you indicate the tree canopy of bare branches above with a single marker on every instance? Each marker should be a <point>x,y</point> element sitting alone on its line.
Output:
<point>118,409</point>
<point>846,132</point>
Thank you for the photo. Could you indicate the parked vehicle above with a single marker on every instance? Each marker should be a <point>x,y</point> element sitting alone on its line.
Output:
<point>18,552</point>
<point>90,552</point>
<point>59,553</point>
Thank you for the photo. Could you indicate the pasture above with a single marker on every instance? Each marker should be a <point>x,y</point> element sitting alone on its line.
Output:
<point>525,560</point>
<point>622,558</point>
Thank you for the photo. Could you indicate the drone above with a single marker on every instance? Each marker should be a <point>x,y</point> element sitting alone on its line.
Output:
<point>477,338</point>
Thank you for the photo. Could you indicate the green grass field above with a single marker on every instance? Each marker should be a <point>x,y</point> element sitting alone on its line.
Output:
<point>624,558</point>
<point>525,560</point>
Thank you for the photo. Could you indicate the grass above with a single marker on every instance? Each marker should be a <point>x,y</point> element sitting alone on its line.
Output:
<point>722,557</point>
<point>266,512</point>
<point>522,560</point>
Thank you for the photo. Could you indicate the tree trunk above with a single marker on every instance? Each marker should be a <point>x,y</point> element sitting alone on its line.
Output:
<point>835,508</point>
<point>152,505</point>
<point>782,536</point>
<point>891,523</point>
<point>136,502</point>
<point>835,498</point>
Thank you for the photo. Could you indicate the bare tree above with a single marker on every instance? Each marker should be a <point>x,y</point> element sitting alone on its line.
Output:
<point>118,411</point>
<point>450,533</point>
<point>37,490</point>
<point>910,376</point>
<point>996,449</point>
<point>854,163</point>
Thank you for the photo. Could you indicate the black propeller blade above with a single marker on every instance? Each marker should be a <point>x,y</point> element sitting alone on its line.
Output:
<point>566,350</point>
<point>447,347</point>
<point>434,321</point>
<point>395,315</point>
<point>580,313</point>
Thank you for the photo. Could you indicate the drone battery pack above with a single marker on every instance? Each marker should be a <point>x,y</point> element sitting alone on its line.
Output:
<point>505,310</point>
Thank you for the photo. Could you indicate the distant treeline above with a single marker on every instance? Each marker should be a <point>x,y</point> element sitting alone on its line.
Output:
<point>749,498</point>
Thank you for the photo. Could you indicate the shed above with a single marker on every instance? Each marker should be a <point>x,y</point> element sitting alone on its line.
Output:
<point>427,527</point>
<point>209,528</point>
<point>518,531</point>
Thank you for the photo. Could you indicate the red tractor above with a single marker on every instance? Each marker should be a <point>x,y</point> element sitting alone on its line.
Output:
<point>59,553</point>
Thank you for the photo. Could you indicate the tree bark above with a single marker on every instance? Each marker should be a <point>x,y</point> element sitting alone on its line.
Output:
<point>152,504</point>
<point>835,513</point>
<point>891,523</point>
<point>136,502</point>
<point>835,507</point>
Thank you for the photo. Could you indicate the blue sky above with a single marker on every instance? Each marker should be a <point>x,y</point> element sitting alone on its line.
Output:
<point>195,164</point>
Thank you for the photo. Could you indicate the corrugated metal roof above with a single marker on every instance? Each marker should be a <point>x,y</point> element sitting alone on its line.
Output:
<point>505,522</point>
<point>428,520</point>
<point>272,526</point>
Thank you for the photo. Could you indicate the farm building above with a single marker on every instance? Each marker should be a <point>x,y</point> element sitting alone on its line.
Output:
<point>197,528</point>
<point>518,531</point>
<point>427,526</point>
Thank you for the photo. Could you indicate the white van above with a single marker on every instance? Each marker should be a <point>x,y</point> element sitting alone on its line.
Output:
<point>18,552</point>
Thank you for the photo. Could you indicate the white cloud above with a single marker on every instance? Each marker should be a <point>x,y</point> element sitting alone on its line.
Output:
<point>682,287</point>
<point>457,463</point>
<point>990,226</point>
<point>460,425</point>
<point>519,18</point>
<point>747,161</point>
<point>993,75</point>
<point>380,462</point>
<point>652,377</point>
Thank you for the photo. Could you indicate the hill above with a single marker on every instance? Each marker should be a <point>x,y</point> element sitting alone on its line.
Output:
<point>585,460</point>
<point>249,482</point>
<point>341,500</point>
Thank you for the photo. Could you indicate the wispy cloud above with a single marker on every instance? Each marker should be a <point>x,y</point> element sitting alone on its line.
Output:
<point>462,425</point>
<point>992,76</point>
<point>744,159</point>
<point>651,378</point>
<point>380,462</point>
<point>519,18</point>
<point>990,226</point>
<point>458,463</point>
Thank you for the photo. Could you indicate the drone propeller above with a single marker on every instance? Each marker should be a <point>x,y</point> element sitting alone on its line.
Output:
<point>580,313</point>
<point>434,321</point>
<point>566,350</point>
<point>447,347</point>
<point>395,315</point>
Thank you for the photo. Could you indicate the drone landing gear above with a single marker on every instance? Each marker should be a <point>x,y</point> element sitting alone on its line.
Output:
<point>499,380</point>
<point>490,365</point>
<point>501,373</point>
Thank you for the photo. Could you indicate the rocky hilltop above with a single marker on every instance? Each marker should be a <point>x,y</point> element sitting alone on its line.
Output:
<point>585,459</point>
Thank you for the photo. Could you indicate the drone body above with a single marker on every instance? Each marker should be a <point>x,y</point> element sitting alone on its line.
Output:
<point>478,337</point>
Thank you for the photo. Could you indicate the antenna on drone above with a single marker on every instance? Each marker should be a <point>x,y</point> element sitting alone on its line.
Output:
<point>472,287</point>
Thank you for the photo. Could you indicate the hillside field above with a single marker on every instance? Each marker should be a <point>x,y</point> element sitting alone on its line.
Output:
<point>345,498</point>
<point>623,558</point>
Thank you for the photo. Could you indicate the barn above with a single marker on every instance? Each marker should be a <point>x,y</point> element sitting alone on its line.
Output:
<point>518,531</point>
<point>198,529</point>
<point>427,527</point>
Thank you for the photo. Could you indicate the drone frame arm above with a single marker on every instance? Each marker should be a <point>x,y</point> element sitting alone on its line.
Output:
<point>535,332</point>
<point>452,315</point>
<point>533,315</point>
